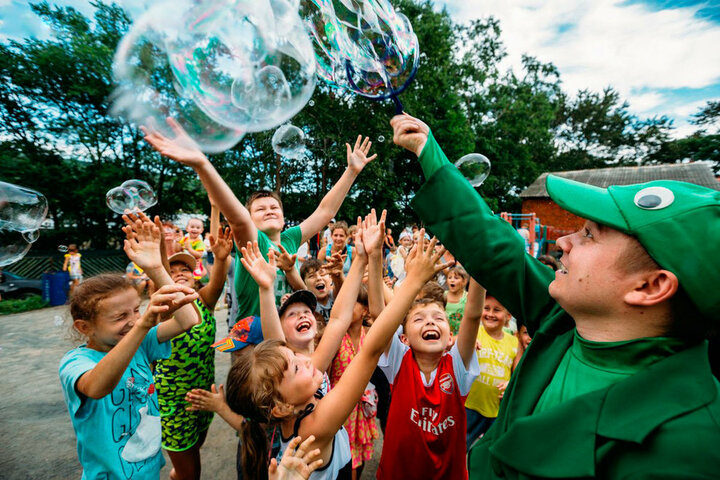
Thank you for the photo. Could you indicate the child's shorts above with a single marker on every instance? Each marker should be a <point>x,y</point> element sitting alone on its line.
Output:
<point>181,429</point>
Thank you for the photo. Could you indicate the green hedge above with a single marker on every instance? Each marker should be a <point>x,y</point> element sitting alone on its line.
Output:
<point>22,305</point>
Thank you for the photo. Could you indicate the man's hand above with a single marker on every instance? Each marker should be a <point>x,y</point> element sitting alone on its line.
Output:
<point>409,133</point>
<point>263,273</point>
<point>223,244</point>
<point>357,157</point>
<point>182,148</point>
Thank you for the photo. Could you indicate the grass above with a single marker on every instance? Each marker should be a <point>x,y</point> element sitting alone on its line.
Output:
<point>22,305</point>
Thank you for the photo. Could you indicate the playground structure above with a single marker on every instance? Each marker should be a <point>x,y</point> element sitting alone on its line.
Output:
<point>536,243</point>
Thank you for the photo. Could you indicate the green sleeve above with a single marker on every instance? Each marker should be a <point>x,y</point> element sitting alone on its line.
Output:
<point>432,158</point>
<point>488,247</point>
<point>291,238</point>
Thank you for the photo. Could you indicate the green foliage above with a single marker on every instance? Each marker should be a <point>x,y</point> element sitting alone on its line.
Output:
<point>59,137</point>
<point>33,302</point>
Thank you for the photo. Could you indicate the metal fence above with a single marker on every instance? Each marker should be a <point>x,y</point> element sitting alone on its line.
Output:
<point>92,261</point>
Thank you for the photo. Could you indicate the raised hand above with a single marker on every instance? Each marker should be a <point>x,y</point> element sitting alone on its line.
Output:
<point>357,157</point>
<point>142,242</point>
<point>374,233</point>
<point>164,302</point>
<point>284,260</point>
<point>263,273</point>
<point>297,462</point>
<point>422,261</point>
<point>360,251</point>
<point>409,132</point>
<point>335,264</point>
<point>181,148</point>
<point>221,245</point>
<point>200,399</point>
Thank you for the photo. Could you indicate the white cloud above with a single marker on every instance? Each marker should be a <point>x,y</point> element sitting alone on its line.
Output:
<point>596,43</point>
<point>645,102</point>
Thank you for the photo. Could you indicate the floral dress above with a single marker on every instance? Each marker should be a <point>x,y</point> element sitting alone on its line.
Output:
<point>361,430</point>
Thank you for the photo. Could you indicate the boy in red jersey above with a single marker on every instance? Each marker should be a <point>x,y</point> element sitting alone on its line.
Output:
<point>426,424</point>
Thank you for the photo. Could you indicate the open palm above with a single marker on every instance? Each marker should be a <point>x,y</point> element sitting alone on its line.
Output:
<point>357,157</point>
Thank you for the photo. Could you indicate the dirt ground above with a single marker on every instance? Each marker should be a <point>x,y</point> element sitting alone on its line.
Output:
<point>38,438</point>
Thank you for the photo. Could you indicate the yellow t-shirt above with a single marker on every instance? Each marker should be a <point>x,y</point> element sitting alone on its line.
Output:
<point>496,358</point>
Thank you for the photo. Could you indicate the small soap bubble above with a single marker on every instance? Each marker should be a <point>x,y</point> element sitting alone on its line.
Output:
<point>13,246</point>
<point>31,236</point>
<point>475,167</point>
<point>381,139</point>
<point>58,320</point>
<point>62,248</point>
<point>311,103</point>
<point>289,141</point>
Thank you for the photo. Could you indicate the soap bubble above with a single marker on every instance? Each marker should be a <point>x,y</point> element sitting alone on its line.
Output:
<point>311,103</point>
<point>31,236</point>
<point>221,67</point>
<point>13,246</point>
<point>289,141</point>
<point>21,208</point>
<point>58,320</point>
<point>366,47</point>
<point>381,139</point>
<point>132,195</point>
<point>62,248</point>
<point>475,167</point>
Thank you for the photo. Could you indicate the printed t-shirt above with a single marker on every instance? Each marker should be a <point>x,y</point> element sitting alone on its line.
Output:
<point>588,366</point>
<point>246,289</point>
<point>426,423</point>
<point>118,436</point>
<point>495,359</point>
<point>198,244</point>
<point>454,312</point>
<point>73,267</point>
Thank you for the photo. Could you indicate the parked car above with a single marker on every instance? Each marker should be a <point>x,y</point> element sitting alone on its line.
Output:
<point>15,286</point>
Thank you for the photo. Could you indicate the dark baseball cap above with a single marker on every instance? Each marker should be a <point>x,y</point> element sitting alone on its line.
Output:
<point>299,296</point>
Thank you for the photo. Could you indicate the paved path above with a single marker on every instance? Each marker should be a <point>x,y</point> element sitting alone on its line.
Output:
<point>37,437</point>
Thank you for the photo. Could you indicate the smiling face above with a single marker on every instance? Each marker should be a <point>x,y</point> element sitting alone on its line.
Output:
<point>194,228</point>
<point>494,315</point>
<point>318,282</point>
<point>182,274</point>
<point>301,379</point>
<point>299,326</point>
<point>591,280</point>
<point>115,316</point>
<point>339,236</point>
<point>426,329</point>
<point>267,215</point>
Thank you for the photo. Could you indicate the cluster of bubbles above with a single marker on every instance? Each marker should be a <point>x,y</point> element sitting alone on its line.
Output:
<point>219,67</point>
<point>289,141</point>
<point>22,211</point>
<point>364,46</point>
<point>475,167</point>
<point>132,196</point>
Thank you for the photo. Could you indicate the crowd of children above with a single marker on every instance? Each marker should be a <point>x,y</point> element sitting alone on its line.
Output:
<point>327,344</point>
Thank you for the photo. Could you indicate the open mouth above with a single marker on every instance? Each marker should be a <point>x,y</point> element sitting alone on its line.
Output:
<point>562,268</point>
<point>303,326</point>
<point>431,335</point>
<point>320,287</point>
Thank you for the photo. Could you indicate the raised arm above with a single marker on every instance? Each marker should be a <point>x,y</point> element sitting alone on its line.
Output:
<point>467,336</point>
<point>142,246</point>
<point>341,313</point>
<point>495,256</point>
<point>332,412</point>
<point>176,149</point>
<point>104,377</point>
<point>373,238</point>
<point>221,246</point>
<point>264,274</point>
<point>330,204</point>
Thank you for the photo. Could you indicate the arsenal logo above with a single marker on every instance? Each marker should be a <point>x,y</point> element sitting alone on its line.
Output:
<point>446,383</point>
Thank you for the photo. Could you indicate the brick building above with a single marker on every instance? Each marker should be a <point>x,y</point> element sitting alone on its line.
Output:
<point>560,222</point>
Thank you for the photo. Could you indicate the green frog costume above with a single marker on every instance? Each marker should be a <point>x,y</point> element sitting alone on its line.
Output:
<point>647,408</point>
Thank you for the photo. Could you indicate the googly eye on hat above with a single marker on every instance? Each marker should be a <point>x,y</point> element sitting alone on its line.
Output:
<point>654,198</point>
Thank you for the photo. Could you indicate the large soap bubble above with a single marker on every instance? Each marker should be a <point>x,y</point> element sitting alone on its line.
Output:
<point>289,141</point>
<point>220,67</point>
<point>475,167</point>
<point>366,47</point>
<point>13,246</point>
<point>21,208</point>
<point>132,196</point>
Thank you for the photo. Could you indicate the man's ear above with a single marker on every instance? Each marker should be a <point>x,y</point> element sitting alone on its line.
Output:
<point>652,288</point>
<point>404,339</point>
<point>82,326</point>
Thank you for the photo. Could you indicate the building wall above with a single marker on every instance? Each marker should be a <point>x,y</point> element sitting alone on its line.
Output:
<point>559,222</point>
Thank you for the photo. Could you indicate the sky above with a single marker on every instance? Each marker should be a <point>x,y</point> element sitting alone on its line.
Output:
<point>662,56</point>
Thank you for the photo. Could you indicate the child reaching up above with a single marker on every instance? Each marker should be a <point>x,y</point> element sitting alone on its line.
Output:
<point>271,384</point>
<point>426,422</point>
<point>107,382</point>
<point>457,279</point>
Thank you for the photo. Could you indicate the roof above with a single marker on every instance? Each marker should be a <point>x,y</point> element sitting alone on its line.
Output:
<point>697,172</point>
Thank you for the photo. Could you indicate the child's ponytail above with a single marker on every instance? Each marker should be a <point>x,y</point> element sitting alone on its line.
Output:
<point>251,391</point>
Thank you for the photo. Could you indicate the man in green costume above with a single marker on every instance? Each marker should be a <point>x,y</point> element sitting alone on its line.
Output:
<point>616,382</point>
